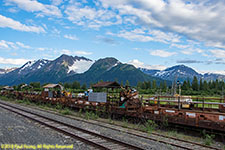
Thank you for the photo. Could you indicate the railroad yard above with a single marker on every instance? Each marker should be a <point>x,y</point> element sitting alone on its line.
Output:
<point>108,119</point>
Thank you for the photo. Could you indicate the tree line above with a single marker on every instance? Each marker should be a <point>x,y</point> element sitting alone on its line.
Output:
<point>194,87</point>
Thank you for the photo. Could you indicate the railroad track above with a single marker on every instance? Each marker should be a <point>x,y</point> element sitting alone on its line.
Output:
<point>179,143</point>
<point>92,138</point>
<point>184,144</point>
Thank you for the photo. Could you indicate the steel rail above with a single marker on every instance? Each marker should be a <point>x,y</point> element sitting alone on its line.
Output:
<point>60,129</point>
<point>142,136</point>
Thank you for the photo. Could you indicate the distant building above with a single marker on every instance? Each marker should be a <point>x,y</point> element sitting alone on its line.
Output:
<point>53,86</point>
<point>8,88</point>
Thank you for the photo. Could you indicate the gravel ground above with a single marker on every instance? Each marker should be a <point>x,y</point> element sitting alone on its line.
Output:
<point>15,129</point>
<point>144,143</point>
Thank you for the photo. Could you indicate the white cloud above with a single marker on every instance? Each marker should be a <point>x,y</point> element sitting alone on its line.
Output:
<point>145,35</point>
<point>139,64</point>
<point>57,2</point>
<point>180,46</point>
<point>218,53</point>
<point>10,45</point>
<point>82,53</point>
<point>16,25</point>
<point>12,61</point>
<point>162,53</point>
<point>199,20</point>
<point>22,45</point>
<point>3,44</point>
<point>71,37</point>
<point>69,52</point>
<point>35,6</point>
<point>91,17</point>
<point>190,51</point>
<point>212,71</point>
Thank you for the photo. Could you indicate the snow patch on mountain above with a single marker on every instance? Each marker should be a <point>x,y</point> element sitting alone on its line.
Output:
<point>80,66</point>
<point>6,70</point>
<point>27,65</point>
<point>118,62</point>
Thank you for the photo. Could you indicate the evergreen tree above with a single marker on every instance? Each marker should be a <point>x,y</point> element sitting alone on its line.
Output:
<point>35,84</point>
<point>161,85</point>
<point>188,84</point>
<point>121,83</point>
<point>139,85</point>
<point>154,86</point>
<point>184,86</point>
<point>195,85</point>
<point>75,85</point>
<point>200,85</point>
<point>143,86</point>
<point>205,86</point>
<point>127,83</point>
<point>67,85</point>
<point>84,87</point>
<point>164,86</point>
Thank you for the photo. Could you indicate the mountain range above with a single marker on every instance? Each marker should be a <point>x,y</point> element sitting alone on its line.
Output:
<point>68,69</point>
<point>181,73</point>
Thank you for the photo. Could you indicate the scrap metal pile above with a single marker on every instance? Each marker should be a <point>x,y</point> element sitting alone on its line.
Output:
<point>208,113</point>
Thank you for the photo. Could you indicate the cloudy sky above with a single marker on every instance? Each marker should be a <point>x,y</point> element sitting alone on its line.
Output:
<point>147,33</point>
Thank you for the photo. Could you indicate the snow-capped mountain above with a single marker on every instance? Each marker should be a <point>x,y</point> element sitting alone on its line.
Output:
<point>181,73</point>
<point>33,66</point>
<point>47,71</point>
<point>80,66</point>
<point>110,69</point>
<point>68,69</point>
<point>4,71</point>
<point>149,71</point>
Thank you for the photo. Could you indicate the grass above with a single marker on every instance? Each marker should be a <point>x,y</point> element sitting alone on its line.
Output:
<point>149,126</point>
<point>208,139</point>
<point>91,115</point>
<point>66,111</point>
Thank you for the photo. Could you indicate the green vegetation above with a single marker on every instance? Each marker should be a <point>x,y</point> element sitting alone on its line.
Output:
<point>91,115</point>
<point>148,126</point>
<point>198,88</point>
<point>208,139</point>
<point>66,111</point>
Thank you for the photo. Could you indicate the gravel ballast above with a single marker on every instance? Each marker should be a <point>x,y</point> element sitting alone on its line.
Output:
<point>143,143</point>
<point>15,129</point>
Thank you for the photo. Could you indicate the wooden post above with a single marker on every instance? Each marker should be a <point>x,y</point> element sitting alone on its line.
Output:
<point>203,104</point>
<point>179,103</point>
<point>158,102</point>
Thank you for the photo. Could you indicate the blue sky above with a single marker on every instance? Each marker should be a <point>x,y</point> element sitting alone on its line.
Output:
<point>154,34</point>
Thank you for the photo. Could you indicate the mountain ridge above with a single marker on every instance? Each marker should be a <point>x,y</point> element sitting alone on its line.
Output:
<point>181,73</point>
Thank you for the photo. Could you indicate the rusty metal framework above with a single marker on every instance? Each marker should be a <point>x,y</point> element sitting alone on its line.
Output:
<point>208,113</point>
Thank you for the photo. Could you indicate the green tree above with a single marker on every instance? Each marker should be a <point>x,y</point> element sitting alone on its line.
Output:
<point>67,85</point>
<point>84,87</point>
<point>154,86</point>
<point>35,84</point>
<point>195,85</point>
<point>205,86</point>
<point>184,86</point>
<point>139,85</point>
<point>161,85</point>
<point>75,85</point>
<point>188,84</point>
<point>121,83</point>
<point>164,86</point>
<point>200,85</point>
<point>127,83</point>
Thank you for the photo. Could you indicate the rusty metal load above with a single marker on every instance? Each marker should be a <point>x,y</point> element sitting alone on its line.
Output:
<point>207,113</point>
